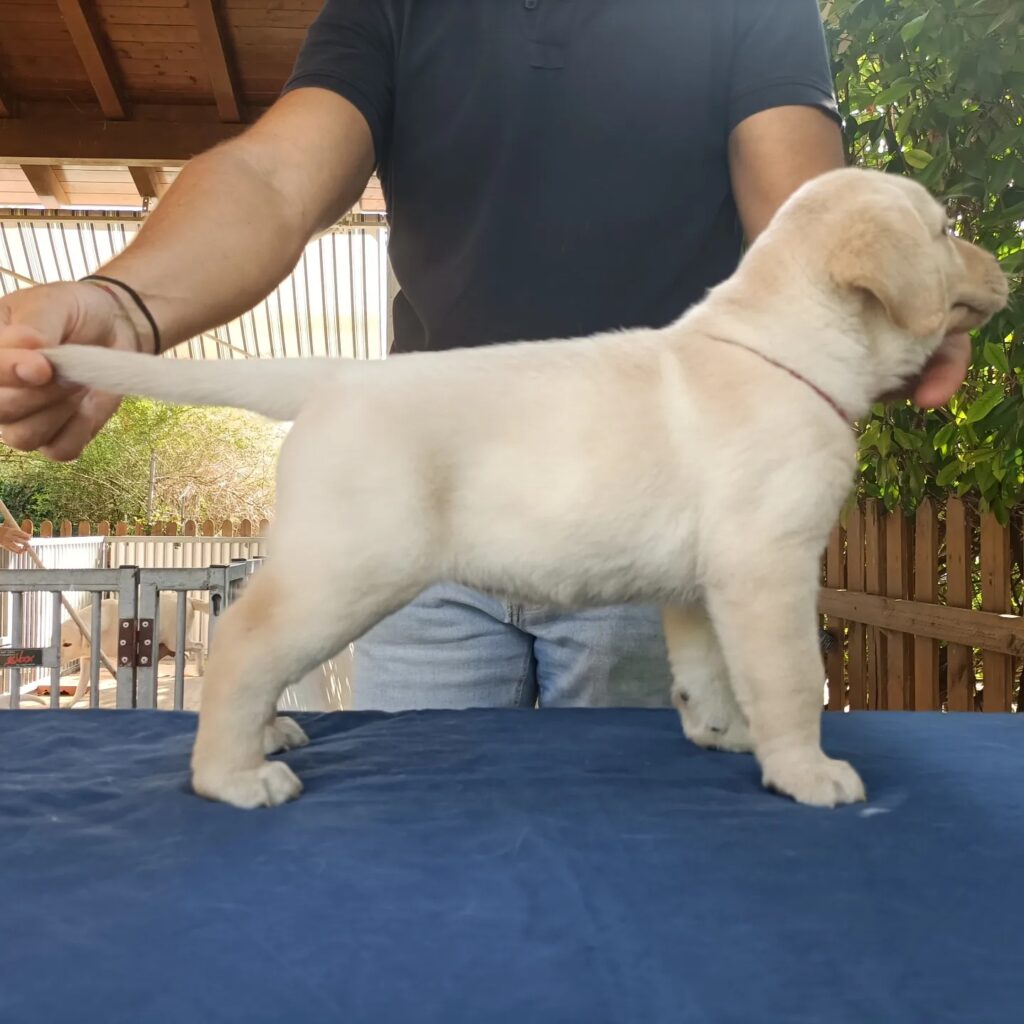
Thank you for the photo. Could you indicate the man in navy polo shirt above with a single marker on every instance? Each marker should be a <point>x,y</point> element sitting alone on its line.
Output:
<point>552,168</point>
<point>555,168</point>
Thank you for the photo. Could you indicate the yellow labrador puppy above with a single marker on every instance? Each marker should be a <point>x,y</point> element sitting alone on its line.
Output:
<point>700,466</point>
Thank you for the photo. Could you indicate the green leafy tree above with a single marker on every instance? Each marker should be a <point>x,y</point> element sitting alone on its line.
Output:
<point>934,89</point>
<point>152,461</point>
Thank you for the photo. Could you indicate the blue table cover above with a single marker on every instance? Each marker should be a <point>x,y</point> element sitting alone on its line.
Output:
<point>519,866</point>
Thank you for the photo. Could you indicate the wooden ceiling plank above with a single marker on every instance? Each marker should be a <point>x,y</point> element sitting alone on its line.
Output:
<point>89,110</point>
<point>6,101</point>
<point>93,53</point>
<point>128,143</point>
<point>47,186</point>
<point>211,41</point>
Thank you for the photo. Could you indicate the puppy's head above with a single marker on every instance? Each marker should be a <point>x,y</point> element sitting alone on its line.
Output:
<point>886,249</point>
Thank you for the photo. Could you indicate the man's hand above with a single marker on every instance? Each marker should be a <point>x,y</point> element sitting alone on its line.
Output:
<point>940,379</point>
<point>35,412</point>
<point>14,539</point>
<point>945,372</point>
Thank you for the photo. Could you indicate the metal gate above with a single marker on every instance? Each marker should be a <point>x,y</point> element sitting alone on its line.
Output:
<point>136,654</point>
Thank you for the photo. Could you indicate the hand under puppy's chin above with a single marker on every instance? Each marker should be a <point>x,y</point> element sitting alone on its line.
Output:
<point>965,318</point>
<point>943,373</point>
<point>903,391</point>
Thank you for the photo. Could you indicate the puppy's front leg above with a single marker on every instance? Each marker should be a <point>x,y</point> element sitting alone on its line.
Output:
<point>767,629</point>
<point>257,648</point>
<point>282,627</point>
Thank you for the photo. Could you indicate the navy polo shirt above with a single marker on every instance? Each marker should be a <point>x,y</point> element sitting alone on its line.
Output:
<point>553,168</point>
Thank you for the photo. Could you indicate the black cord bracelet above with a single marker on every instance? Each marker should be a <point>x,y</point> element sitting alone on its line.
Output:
<point>136,298</point>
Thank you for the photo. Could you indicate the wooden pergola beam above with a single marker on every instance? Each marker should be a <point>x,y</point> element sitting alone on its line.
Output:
<point>92,50</point>
<point>6,102</point>
<point>215,56</point>
<point>129,143</point>
<point>46,184</point>
<point>146,182</point>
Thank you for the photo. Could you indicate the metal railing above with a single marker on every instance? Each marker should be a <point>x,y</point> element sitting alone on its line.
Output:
<point>113,552</point>
<point>138,607</point>
<point>54,553</point>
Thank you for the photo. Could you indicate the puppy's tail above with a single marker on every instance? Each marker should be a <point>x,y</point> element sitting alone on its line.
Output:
<point>277,388</point>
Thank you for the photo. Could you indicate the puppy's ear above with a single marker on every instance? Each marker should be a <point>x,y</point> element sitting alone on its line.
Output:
<point>886,251</point>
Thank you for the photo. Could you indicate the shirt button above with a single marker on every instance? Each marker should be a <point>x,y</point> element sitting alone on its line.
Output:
<point>530,4</point>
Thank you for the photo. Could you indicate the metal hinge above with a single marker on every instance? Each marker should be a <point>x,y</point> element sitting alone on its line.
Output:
<point>135,643</point>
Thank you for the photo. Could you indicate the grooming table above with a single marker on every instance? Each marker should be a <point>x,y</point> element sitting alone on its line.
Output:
<point>510,866</point>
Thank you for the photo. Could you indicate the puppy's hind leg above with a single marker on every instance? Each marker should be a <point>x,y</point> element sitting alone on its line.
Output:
<point>282,627</point>
<point>701,691</point>
<point>771,648</point>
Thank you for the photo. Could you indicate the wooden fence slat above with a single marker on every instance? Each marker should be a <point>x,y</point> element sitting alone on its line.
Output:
<point>997,669</point>
<point>874,549</point>
<point>926,589</point>
<point>959,659</point>
<point>835,577</point>
<point>899,653</point>
<point>857,661</point>
<point>158,528</point>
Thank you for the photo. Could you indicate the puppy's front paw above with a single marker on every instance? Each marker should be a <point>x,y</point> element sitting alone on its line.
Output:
<point>810,777</point>
<point>733,736</point>
<point>283,734</point>
<point>271,784</point>
<point>713,724</point>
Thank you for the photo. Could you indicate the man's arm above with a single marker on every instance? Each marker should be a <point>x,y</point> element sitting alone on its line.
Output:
<point>236,220</point>
<point>772,153</point>
<point>229,229</point>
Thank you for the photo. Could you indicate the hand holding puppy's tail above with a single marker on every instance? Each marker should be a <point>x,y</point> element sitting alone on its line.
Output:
<point>276,388</point>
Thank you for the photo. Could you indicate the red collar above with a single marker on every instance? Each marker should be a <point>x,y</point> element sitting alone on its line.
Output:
<point>823,395</point>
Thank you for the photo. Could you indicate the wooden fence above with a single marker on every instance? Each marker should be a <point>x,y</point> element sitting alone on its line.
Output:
<point>163,528</point>
<point>924,610</point>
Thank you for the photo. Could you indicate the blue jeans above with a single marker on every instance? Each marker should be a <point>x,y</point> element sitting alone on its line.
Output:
<point>456,648</point>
